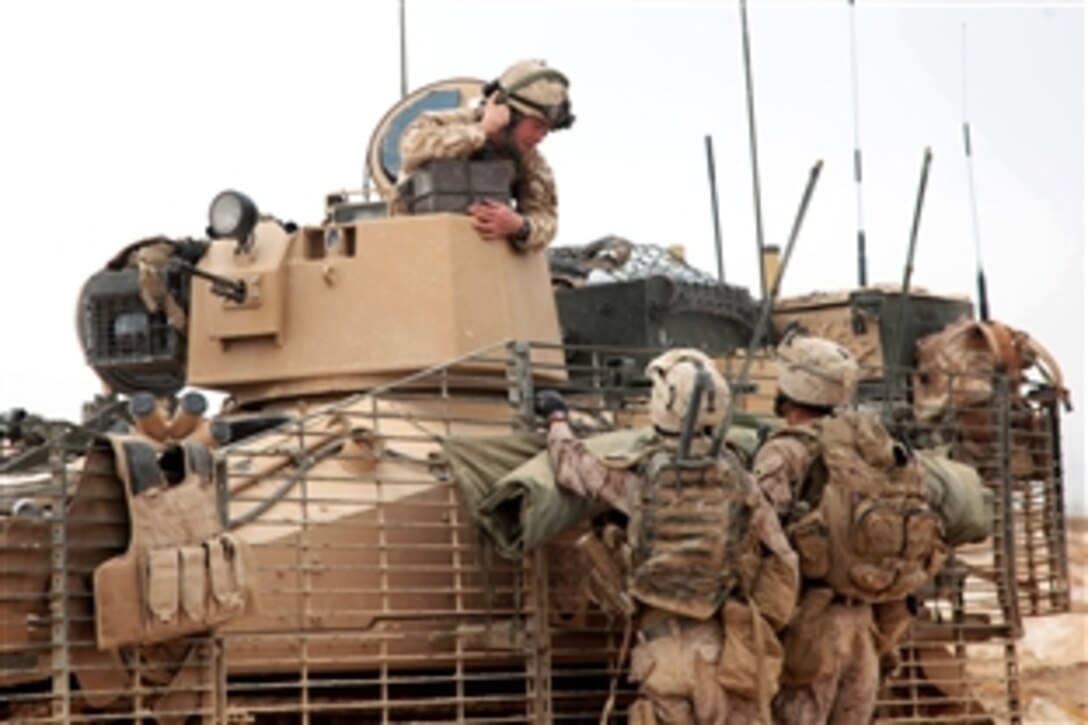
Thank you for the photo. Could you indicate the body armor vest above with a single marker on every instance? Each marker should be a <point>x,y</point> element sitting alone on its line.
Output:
<point>691,543</point>
<point>182,573</point>
<point>865,527</point>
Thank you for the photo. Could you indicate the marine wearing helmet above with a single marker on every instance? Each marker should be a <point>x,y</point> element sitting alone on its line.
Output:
<point>708,568</point>
<point>815,373</point>
<point>520,107</point>
<point>837,478</point>
<point>674,376</point>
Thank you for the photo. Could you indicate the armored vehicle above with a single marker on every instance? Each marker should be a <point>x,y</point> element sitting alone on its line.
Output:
<point>365,531</point>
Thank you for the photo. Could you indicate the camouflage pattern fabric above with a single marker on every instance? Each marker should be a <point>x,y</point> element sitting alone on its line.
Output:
<point>677,674</point>
<point>846,693</point>
<point>674,654</point>
<point>779,468</point>
<point>843,667</point>
<point>578,470</point>
<point>458,135</point>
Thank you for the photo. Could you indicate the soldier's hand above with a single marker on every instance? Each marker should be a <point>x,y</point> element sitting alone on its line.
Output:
<point>496,116</point>
<point>549,403</point>
<point>495,220</point>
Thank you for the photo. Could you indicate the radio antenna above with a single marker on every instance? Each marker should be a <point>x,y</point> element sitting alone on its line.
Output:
<point>863,276</point>
<point>714,206</point>
<point>403,55</point>
<point>980,275</point>
<point>752,144</point>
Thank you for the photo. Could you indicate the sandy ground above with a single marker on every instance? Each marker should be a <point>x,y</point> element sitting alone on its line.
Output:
<point>1054,650</point>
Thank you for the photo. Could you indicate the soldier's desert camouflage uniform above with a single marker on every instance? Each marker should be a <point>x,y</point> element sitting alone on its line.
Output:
<point>844,691</point>
<point>674,659</point>
<point>458,135</point>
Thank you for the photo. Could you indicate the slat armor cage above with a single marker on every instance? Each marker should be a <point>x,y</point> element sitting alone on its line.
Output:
<point>383,602</point>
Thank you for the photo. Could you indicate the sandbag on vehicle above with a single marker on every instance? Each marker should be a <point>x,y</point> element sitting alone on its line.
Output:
<point>958,497</point>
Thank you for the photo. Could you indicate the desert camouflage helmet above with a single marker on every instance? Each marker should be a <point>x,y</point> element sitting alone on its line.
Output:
<point>534,89</point>
<point>815,371</point>
<point>673,375</point>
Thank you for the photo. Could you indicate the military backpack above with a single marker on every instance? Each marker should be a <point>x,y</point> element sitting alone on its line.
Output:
<point>862,522</point>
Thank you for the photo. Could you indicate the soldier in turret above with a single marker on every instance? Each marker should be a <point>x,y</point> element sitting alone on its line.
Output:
<point>855,509</point>
<point>710,577</point>
<point>521,107</point>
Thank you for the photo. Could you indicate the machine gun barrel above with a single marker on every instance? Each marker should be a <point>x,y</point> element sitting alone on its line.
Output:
<point>225,287</point>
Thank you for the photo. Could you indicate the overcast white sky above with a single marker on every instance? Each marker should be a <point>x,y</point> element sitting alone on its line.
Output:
<point>122,119</point>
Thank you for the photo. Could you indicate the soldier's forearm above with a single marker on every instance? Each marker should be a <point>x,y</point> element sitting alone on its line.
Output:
<point>542,228</point>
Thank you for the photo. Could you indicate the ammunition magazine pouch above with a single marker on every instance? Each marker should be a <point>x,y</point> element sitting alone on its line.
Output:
<point>181,574</point>
<point>606,575</point>
<point>752,656</point>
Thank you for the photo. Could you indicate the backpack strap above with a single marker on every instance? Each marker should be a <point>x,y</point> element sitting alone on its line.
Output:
<point>809,434</point>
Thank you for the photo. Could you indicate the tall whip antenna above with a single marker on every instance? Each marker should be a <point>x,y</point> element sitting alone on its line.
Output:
<point>863,276</point>
<point>403,55</point>
<point>714,206</point>
<point>980,275</point>
<point>752,144</point>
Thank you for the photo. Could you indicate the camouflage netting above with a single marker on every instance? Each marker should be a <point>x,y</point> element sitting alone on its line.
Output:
<point>615,259</point>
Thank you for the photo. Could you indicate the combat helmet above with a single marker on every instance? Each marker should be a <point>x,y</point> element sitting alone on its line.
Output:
<point>534,89</point>
<point>816,372</point>
<point>674,376</point>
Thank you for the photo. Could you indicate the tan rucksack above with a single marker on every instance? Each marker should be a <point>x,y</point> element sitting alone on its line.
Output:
<point>868,530</point>
<point>954,385</point>
<point>956,366</point>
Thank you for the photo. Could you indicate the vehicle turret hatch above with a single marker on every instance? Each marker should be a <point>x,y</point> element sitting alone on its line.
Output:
<point>383,151</point>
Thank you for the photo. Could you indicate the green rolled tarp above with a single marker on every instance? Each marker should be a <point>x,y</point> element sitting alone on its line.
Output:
<point>958,496</point>
<point>508,485</point>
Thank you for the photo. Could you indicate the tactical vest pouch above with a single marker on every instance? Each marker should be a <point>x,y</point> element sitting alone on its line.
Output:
<point>809,537</point>
<point>194,582</point>
<point>877,529</point>
<point>224,565</point>
<point>162,586</point>
<point>605,576</point>
<point>775,591</point>
<point>807,640</point>
<point>752,657</point>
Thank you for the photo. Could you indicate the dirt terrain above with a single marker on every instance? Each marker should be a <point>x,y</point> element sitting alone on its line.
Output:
<point>1054,650</point>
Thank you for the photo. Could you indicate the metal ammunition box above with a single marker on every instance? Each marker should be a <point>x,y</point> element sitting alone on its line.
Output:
<point>450,185</point>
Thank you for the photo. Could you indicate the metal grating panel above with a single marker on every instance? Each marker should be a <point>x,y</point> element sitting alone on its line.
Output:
<point>382,603</point>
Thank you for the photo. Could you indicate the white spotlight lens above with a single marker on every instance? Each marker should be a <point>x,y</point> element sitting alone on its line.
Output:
<point>231,215</point>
